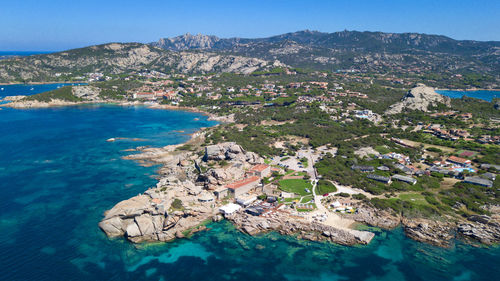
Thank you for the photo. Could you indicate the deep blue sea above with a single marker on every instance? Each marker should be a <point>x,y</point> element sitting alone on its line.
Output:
<point>22,53</point>
<point>27,89</point>
<point>483,95</point>
<point>58,175</point>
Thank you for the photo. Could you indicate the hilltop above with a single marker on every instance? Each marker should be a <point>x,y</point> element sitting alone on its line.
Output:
<point>122,58</point>
<point>427,57</point>
<point>364,51</point>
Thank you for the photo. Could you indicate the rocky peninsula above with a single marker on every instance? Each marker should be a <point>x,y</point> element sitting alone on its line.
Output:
<point>185,199</point>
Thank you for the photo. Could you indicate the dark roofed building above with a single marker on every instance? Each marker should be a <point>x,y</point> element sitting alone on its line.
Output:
<point>379,178</point>
<point>487,166</point>
<point>383,168</point>
<point>489,176</point>
<point>403,168</point>
<point>363,168</point>
<point>406,179</point>
<point>478,181</point>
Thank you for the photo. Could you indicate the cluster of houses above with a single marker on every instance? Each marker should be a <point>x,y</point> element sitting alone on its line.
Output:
<point>489,139</point>
<point>451,134</point>
<point>452,166</point>
<point>463,116</point>
<point>343,206</point>
<point>90,77</point>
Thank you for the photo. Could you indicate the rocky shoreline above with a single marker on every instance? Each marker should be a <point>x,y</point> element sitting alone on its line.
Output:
<point>286,225</point>
<point>438,232</point>
<point>181,201</point>
<point>17,102</point>
<point>154,215</point>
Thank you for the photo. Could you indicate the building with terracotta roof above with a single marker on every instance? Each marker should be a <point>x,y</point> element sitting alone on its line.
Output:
<point>243,186</point>
<point>459,161</point>
<point>260,170</point>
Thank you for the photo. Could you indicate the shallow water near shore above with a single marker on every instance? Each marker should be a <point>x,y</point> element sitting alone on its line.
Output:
<point>58,175</point>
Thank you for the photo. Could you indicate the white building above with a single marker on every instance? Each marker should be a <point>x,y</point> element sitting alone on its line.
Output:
<point>229,209</point>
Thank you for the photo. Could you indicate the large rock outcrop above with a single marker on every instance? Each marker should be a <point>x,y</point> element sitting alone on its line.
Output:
<point>232,152</point>
<point>153,216</point>
<point>418,98</point>
<point>483,229</point>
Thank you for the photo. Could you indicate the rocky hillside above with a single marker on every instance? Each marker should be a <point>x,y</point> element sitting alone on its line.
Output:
<point>187,41</point>
<point>419,98</point>
<point>116,58</point>
<point>365,51</point>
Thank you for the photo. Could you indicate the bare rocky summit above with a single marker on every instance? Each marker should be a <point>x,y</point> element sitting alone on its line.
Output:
<point>187,41</point>
<point>418,98</point>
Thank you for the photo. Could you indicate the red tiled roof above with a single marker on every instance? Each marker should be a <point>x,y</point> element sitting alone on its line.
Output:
<point>259,167</point>
<point>242,182</point>
<point>467,153</point>
<point>458,160</point>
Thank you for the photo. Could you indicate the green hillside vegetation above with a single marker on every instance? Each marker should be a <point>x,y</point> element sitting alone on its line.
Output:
<point>63,93</point>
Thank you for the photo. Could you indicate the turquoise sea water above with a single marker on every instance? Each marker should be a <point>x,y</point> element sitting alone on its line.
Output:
<point>58,175</point>
<point>483,95</point>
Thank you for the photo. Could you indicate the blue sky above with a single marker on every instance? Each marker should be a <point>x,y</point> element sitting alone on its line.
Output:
<point>31,25</point>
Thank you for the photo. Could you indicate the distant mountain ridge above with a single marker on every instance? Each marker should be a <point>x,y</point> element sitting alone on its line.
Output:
<point>353,51</point>
<point>344,49</point>
<point>371,41</point>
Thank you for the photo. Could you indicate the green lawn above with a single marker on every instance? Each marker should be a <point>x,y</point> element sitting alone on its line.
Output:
<point>306,199</point>
<point>324,187</point>
<point>296,186</point>
<point>414,198</point>
<point>295,173</point>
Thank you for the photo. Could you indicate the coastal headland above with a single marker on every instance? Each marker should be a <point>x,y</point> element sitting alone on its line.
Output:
<point>201,180</point>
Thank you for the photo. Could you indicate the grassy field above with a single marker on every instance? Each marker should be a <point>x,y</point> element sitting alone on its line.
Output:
<point>415,198</point>
<point>443,148</point>
<point>295,173</point>
<point>296,186</point>
<point>324,187</point>
<point>307,199</point>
